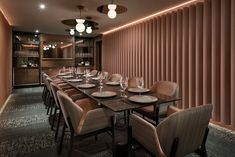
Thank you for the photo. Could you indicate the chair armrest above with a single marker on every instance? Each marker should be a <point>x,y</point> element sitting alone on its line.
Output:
<point>145,134</point>
<point>95,119</point>
<point>172,109</point>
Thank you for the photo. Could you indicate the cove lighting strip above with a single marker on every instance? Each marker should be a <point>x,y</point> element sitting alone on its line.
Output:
<point>153,15</point>
<point>5,17</point>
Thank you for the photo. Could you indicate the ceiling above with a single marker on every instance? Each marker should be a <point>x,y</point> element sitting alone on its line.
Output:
<point>25,15</point>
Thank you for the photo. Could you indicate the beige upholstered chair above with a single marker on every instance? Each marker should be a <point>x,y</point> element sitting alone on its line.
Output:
<point>178,135</point>
<point>115,77</point>
<point>93,72</point>
<point>72,93</point>
<point>132,82</point>
<point>83,117</point>
<point>161,87</point>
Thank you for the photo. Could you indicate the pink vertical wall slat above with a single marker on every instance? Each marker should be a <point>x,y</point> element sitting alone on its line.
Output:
<point>216,59</point>
<point>185,58</point>
<point>193,46</point>
<point>168,47</point>
<point>207,52</point>
<point>173,45</point>
<point>232,63</point>
<point>179,53</point>
<point>192,69</point>
<point>199,54</point>
<point>225,61</point>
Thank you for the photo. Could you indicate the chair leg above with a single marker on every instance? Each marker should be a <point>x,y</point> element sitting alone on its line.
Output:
<point>61,140</point>
<point>58,125</point>
<point>48,106</point>
<point>202,151</point>
<point>51,106</point>
<point>71,142</point>
<point>54,117</point>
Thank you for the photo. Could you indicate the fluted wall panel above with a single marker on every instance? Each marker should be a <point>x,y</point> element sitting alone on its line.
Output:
<point>193,46</point>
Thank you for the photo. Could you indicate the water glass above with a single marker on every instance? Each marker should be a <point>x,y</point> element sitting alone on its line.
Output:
<point>124,85</point>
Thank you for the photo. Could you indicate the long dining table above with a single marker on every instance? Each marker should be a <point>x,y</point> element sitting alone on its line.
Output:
<point>116,103</point>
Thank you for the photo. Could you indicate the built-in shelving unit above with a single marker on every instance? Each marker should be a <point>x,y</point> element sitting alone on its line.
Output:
<point>84,52</point>
<point>26,59</point>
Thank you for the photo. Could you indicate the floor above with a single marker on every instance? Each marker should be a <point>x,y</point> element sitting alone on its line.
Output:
<point>25,132</point>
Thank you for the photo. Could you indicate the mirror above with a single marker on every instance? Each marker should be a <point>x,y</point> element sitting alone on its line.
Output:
<point>59,50</point>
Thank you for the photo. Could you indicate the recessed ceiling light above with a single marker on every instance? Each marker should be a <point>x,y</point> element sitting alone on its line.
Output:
<point>42,6</point>
<point>37,31</point>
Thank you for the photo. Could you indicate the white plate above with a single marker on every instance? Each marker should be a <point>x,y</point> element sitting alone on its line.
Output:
<point>75,80</point>
<point>61,74</point>
<point>104,94</point>
<point>67,76</point>
<point>86,85</point>
<point>138,90</point>
<point>143,99</point>
<point>112,83</point>
<point>95,78</point>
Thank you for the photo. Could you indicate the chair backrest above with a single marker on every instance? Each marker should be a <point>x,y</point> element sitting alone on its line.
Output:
<point>106,74</point>
<point>188,126</point>
<point>115,77</point>
<point>70,110</point>
<point>132,82</point>
<point>54,89</point>
<point>93,72</point>
<point>166,88</point>
<point>48,81</point>
<point>44,76</point>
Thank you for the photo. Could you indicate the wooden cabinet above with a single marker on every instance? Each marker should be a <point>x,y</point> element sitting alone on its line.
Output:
<point>26,76</point>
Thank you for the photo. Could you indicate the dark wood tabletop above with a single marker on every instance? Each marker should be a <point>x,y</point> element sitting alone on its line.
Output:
<point>118,103</point>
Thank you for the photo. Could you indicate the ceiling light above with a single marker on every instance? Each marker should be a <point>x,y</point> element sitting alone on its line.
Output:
<point>50,45</point>
<point>53,46</point>
<point>44,48</point>
<point>42,6</point>
<point>112,13</point>
<point>37,31</point>
<point>80,27</point>
<point>72,32</point>
<point>89,30</point>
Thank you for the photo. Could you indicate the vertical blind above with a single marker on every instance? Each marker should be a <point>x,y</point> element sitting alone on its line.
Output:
<point>193,46</point>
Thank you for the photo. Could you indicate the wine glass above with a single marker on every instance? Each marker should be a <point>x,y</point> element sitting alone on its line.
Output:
<point>101,77</point>
<point>87,72</point>
<point>140,83</point>
<point>124,85</point>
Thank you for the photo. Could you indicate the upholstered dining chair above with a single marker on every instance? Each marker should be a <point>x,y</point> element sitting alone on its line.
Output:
<point>179,134</point>
<point>115,77</point>
<point>72,93</point>
<point>132,82</point>
<point>84,118</point>
<point>93,72</point>
<point>167,88</point>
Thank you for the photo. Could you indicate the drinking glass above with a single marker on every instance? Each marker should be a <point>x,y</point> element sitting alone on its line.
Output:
<point>124,85</point>
<point>101,77</point>
<point>140,83</point>
<point>87,72</point>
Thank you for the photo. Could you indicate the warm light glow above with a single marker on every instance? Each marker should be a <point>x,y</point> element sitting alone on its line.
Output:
<point>153,15</point>
<point>68,45</point>
<point>42,6</point>
<point>89,30</point>
<point>80,27</point>
<point>5,17</point>
<point>112,13</point>
<point>72,32</point>
<point>37,31</point>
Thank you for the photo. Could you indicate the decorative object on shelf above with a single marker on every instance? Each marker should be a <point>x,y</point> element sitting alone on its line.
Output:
<point>81,25</point>
<point>111,9</point>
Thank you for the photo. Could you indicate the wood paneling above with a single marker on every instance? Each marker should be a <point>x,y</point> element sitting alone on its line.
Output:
<point>5,59</point>
<point>192,46</point>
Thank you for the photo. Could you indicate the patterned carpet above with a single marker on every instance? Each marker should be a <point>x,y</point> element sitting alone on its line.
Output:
<point>25,131</point>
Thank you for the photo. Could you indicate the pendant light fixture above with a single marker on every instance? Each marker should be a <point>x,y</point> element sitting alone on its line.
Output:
<point>72,31</point>
<point>80,27</point>
<point>89,30</point>
<point>112,10</point>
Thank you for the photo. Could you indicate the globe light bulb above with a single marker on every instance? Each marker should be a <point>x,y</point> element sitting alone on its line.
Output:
<point>80,27</point>
<point>112,14</point>
<point>89,30</point>
<point>72,32</point>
